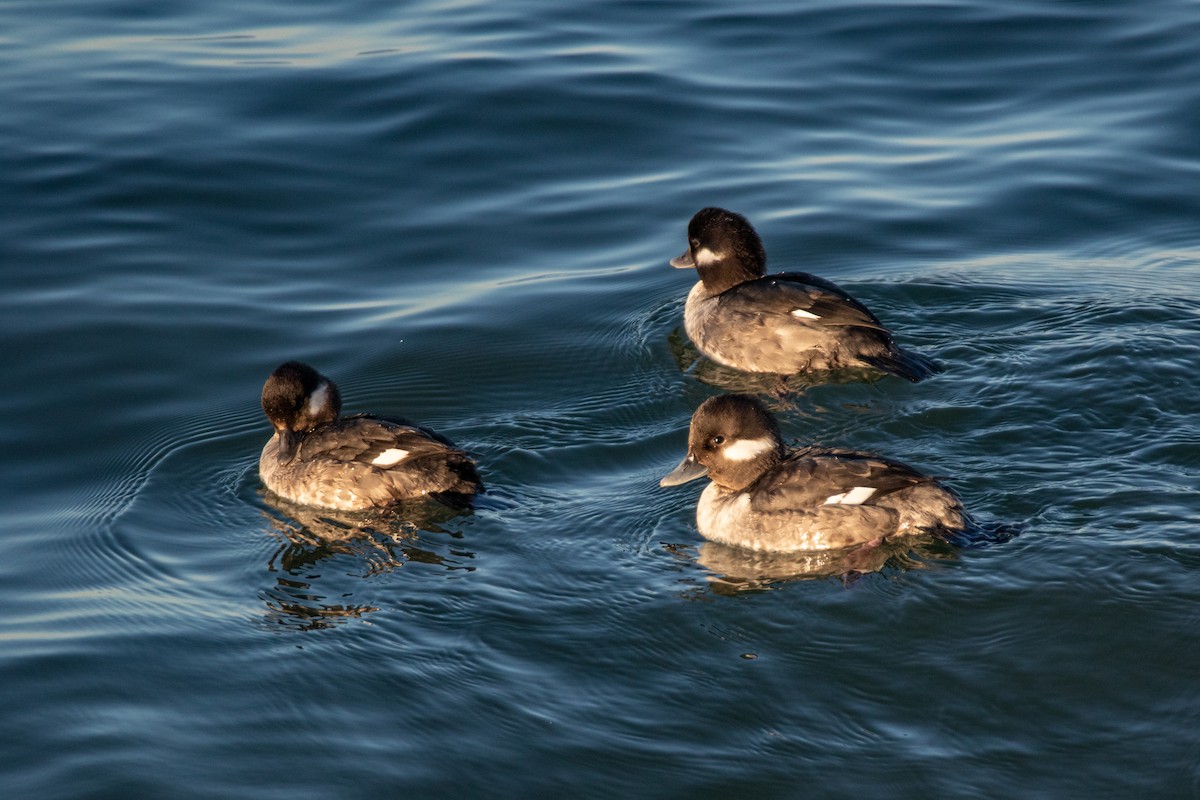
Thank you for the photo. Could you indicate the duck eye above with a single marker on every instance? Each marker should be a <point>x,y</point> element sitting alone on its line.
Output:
<point>695,243</point>
<point>717,441</point>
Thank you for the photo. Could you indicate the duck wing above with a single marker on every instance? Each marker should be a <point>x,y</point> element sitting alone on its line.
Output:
<point>814,478</point>
<point>366,439</point>
<point>392,458</point>
<point>830,499</point>
<point>804,300</point>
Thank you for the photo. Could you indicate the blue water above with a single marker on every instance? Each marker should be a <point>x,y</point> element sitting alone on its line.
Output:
<point>462,213</point>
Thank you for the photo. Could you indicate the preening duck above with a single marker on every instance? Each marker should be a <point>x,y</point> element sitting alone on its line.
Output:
<point>319,458</point>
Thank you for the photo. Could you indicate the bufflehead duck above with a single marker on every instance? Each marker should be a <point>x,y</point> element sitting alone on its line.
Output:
<point>764,498</point>
<point>788,323</point>
<point>317,458</point>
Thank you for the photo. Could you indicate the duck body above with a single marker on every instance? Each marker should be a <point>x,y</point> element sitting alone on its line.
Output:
<point>787,323</point>
<point>823,500</point>
<point>318,458</point>
<point>763,497</point>
<point>757,326</point>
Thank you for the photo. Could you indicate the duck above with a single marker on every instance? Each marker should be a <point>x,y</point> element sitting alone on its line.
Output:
<point>789,323</point>
<point>761,496</point>
<point>318,458</point>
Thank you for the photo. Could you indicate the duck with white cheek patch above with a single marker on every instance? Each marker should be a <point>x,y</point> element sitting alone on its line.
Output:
<point>318,458</point>
<point>763,497</point>
<point>789,323</point>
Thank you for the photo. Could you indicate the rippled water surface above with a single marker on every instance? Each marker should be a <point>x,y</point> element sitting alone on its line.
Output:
<point>462,212</point>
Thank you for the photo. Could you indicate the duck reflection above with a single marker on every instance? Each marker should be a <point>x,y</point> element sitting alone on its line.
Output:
<point>732,570</point>
<point>780,387</point>
<point>367,544</point>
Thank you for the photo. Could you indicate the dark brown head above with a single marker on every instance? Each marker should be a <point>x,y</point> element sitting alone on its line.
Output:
<point>733,439</point>
<point>297,398</point>
<point>724,249</point>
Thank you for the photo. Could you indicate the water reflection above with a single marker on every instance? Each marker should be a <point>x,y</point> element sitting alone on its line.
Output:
<point>732,570</point>
<point>366,545</point>
<point>774,387</point>
<point>736,569</point>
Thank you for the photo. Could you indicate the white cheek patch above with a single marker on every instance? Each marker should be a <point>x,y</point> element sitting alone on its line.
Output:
<point>704,257</point>
<point>318,399</point>
<point>390,457</point>
<point>800,313</point>
<point>747,449</point>
<point>855,497</point>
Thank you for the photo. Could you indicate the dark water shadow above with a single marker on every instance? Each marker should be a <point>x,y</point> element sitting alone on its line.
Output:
<point>323,557</point>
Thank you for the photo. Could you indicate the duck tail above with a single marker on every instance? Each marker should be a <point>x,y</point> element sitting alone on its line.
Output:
<point>905,364</point>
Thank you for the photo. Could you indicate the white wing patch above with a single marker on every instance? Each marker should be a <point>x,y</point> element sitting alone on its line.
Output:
<point>855,497</point>
<point>390,457</point>
<point>747,449</point>
<point>800,313</point>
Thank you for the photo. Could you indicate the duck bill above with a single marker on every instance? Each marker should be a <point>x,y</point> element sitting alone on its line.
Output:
<point>289,441</point>
<point>688,470</point>
<point>684,261</point>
